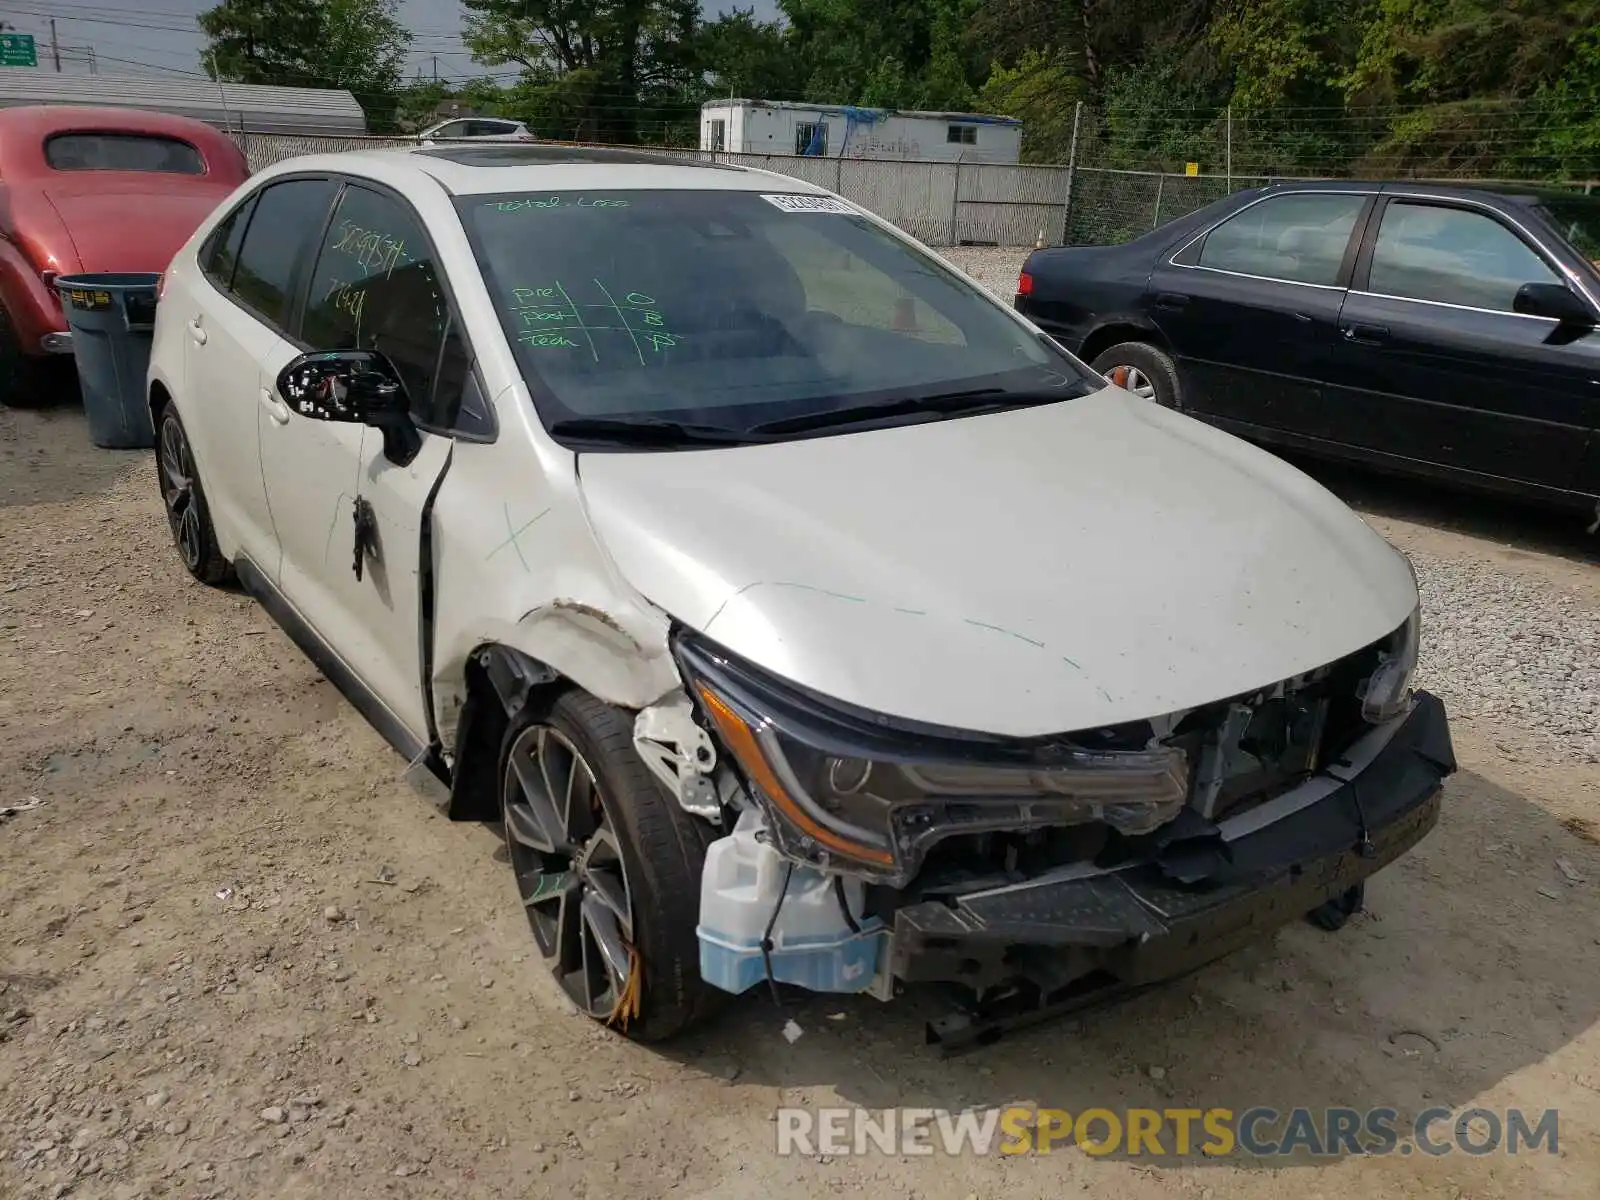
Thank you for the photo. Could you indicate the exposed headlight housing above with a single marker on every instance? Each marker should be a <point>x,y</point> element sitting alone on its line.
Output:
<point>1386,693</point>
<point>853,790</point>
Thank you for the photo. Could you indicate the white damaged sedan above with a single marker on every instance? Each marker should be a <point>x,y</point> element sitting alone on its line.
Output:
<point>805,615</point>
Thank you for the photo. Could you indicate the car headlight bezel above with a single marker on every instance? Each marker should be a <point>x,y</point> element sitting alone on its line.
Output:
<point>868,794</point>
<point>1387,692</point>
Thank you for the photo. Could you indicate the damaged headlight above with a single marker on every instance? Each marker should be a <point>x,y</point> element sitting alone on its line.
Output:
<point>842,788</point>
<point>1386,693</point>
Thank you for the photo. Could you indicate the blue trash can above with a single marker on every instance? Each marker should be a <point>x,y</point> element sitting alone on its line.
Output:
<point>112,317</point>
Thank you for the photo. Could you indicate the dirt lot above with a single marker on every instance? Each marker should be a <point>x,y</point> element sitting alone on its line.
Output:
<point>205,991</point>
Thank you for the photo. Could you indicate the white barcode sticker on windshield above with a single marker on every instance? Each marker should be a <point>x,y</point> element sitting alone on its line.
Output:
<point>793,203</point>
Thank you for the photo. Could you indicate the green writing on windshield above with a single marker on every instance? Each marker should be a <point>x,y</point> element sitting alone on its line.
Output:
<point>544,203</point>
<point>612,330</point>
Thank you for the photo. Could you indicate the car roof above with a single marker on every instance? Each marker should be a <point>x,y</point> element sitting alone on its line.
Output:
<point>40,120</point>
<point>487,169</point>
<point>1516,193</point>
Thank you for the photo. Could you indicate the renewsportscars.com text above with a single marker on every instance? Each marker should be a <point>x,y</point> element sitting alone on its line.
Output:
<point>1159,1132</point>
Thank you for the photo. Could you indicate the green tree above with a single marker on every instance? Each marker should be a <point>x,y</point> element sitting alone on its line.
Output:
<point>748,58</point>
<point>611,63</point>
<point>358,45</point>
<point>1041,90</point>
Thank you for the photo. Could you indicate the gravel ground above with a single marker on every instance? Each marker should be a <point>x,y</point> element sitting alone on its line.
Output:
<point>996,269</point>
<point>242,958</point>
<point>1500,647</point>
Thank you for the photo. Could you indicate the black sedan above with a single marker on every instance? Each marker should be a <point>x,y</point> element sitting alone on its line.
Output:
<point>1438,331</point>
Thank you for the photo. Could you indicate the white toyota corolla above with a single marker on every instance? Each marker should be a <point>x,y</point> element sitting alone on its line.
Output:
<point>806,615</point>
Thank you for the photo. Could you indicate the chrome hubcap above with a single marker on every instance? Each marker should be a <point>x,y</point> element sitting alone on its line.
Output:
<point>177,492</point>
<point>570,873</point>
<point>1133,380</point>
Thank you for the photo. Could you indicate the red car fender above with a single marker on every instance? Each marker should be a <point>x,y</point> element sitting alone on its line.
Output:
<point>33,308</point>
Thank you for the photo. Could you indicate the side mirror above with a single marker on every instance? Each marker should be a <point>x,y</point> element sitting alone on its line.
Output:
<point>360,387</point>
<point>1554,300</point>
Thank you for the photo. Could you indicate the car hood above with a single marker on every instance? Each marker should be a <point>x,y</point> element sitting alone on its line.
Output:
<point>133,226</point>
<point>1036,571</point>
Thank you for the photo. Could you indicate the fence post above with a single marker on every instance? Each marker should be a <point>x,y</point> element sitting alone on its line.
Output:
<point>838,173</point>
<point>1230,148</point>
<point>1161,181</point>
<point>1072,176</point>
<point>955,202</point>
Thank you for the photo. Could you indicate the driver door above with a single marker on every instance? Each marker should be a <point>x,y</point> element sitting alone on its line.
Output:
<point>1432,365</point>
<point>373,286</point>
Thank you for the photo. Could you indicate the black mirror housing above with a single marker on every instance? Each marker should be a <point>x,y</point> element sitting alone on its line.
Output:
<point>1554,300</point>
<point>356,386</point>
<point>342,385</point>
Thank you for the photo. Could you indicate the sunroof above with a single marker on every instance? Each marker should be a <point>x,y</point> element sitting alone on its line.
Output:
<point>534,155</point>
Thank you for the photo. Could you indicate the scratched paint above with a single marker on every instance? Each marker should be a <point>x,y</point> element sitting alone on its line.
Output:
<point>905,611</point>
<point>515,533</point>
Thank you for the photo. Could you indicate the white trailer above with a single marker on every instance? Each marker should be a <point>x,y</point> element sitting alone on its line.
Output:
<point>842,131</point>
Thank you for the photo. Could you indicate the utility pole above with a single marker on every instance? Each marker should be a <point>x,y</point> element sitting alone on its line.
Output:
<point>55,46</point>
<point>436,68</point>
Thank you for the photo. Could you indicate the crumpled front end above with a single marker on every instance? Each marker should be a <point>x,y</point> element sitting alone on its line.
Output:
<point>862,850</point>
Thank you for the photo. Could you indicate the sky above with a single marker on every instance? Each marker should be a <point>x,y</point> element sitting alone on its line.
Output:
<point>144,36</point>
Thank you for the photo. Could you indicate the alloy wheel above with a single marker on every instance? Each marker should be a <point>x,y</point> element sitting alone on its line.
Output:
<point>178,493</point>
<point>1133,380</point>
<point>570,873</point>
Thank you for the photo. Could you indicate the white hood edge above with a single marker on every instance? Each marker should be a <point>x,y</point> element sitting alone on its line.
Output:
<point>1037,571</point>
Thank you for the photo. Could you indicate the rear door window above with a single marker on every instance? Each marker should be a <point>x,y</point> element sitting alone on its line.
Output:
<point>221,252</point>
<point>122,152</point>
<point>1298,238</point>
<point>287,216</point>
<point>1452,256</point>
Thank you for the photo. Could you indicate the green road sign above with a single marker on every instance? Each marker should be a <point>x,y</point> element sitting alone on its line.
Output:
<point>17,50</point>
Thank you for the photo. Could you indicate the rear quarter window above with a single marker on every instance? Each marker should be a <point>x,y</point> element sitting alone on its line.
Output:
<point>122,152</point>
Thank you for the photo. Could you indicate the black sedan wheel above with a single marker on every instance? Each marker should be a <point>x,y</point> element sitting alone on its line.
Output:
<point>607,866</point>
<point>1142,369</point>
<point>187,514</point>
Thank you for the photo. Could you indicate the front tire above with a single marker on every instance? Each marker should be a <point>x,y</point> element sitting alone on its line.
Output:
<point>607,866</point>
<point>188,515</point>
<point>1142,369</point>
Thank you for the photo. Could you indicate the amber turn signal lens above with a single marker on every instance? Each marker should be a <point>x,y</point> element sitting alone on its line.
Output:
<point>741,739</point>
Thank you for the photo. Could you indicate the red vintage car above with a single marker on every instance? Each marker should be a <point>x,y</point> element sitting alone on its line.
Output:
<point>87,190</point>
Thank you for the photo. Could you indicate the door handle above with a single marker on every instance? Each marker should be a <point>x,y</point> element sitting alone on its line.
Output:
<point>1366,335</point>
<point>197,331</point>
<point>276,408</point>
<point>1171,300</point>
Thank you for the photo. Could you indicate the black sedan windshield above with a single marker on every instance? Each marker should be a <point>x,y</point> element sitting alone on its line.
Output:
<point>731,310</point>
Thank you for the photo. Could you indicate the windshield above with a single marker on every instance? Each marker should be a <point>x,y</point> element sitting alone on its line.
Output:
<point>729,309</point>
<point>1577,217</point>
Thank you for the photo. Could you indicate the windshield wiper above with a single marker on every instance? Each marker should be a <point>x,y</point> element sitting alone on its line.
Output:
<point>648,431</point>
<point>945,404</point>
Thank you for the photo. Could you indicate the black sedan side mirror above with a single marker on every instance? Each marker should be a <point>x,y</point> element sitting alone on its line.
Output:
<point>356,386</point>
<point>1554,300</point>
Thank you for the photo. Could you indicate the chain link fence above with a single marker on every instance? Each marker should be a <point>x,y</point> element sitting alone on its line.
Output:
<point>262,150</point>
<point>1111,206</point>
<point>945,203</point>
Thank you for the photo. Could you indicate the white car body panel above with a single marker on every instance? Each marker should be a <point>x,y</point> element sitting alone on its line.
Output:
<point>1022,573</point>
<point>518,565</point>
